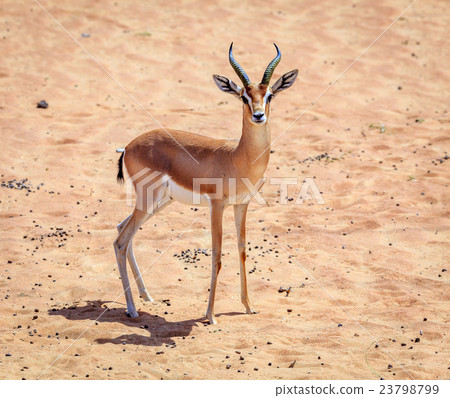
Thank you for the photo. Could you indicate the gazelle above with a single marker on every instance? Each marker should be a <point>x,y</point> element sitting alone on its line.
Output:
<point>177,158</point>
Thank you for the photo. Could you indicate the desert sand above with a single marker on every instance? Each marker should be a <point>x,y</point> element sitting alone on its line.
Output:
<point>367,269</point>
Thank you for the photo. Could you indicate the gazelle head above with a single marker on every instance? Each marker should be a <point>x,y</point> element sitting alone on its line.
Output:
<point>256,97</point>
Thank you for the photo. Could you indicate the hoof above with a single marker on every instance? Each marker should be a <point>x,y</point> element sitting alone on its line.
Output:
<point>146,297</point>
<point>211,320</point>
<point>251,311</point>
<point>132,314</point>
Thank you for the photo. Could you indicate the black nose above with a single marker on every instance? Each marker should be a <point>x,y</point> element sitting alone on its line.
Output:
<point>258,115</point>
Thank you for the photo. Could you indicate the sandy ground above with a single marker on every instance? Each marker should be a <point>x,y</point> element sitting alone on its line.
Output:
<point>368,265</point>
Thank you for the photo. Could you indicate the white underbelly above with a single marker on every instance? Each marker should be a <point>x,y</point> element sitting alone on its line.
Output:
<point>191,198</point>
<point>186,196</point>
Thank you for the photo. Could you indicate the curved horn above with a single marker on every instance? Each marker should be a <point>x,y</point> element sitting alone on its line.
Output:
<point>238,68</point>
<point>271,67</point>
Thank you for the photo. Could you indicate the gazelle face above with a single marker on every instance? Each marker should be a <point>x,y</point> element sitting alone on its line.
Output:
<point>256,99</point>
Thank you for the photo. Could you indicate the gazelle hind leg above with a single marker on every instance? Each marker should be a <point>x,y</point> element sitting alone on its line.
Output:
<point>132,259</point>
<point>137,273</point>
<point>128,230</point>
<point>122,224</point>
<point>134,267</point>
<point>120,248</point>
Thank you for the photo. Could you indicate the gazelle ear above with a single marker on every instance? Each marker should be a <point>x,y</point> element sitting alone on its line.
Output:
<point>227,85</point>
<point>285,81</point>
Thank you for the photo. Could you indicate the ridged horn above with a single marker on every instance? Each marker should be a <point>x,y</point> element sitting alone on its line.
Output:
<point>238,68</point>
<point>271,67</point>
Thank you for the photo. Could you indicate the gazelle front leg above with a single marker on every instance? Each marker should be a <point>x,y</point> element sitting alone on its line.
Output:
<point>240,215</point>
<point>216,235</point>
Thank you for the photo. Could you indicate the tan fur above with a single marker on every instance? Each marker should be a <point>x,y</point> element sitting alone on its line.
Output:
<point>162,151</point>
<point>216,158</point>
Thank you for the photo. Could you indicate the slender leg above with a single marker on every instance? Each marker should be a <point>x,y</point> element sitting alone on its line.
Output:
<point>134,267</point>
<point>216,235</point>
<point>122,224</point>
<point>133,263</point>
<point>137,218</point>
<point>240,215</point>
<point>143,292</point>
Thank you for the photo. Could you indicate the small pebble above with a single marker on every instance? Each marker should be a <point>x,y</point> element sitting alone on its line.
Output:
<point>42,104</point>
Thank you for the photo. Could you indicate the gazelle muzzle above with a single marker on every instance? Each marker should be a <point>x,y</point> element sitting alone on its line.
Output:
<point>259,117</point>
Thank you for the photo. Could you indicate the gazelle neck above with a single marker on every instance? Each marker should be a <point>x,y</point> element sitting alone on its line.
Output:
<point>254,145</point>
<point>253,149</point>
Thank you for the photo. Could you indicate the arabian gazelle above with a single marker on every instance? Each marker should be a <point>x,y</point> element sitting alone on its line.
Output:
<point>176,159</point>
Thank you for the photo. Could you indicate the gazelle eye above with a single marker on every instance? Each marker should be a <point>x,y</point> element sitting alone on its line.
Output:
<point>244,100</point>
<point>269,98</point>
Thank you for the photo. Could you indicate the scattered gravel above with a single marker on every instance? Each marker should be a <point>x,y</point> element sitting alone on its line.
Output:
<point>20,185</point>
<point>191,257</point>
<point>323,156</point>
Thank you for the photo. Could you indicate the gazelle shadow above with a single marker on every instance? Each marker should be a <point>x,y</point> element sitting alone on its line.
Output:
<point>160,331</point>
